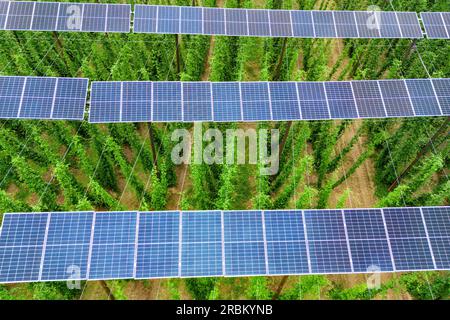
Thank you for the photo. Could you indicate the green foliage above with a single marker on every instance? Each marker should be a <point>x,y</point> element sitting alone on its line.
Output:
<point>53,291</point>
<point>307,287</point>
<point>427,285</point>
<point>201,288</point>
<point>258,289</point>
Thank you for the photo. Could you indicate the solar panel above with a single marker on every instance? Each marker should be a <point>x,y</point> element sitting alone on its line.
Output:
<point>396,98</point>
<point>389,26</point>
<point>409,25</point>
<point>191,20</point>
<point>169,20</point>
<point>167,103</point>
<point>368,24</point>
<point>423,97</point>
<point>70,17</point>
<point>197,103</point>
<point>434,24</point>
<point>284,101</point>
<point>236,22</point>
<point>227,101</point>
<point>313,101</point>
<point>114,245</point>
<point>145,19</point>
<point>324,25</point>
<point>3,13</point>
<point>442,89</point>
<point>368,99</point>
<point>340,100</point>
<point>345,24</point>
<point>255,101</point>
<point>136,101</point>
<point>20,15</point>
<point>105,105</point>
<point>280,23</point>
<point>302,24</point>
<point>258,22</point>
<point>214,21</point>
<point>45,16</point>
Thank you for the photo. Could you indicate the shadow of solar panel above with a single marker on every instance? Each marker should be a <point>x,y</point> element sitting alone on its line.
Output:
<point>329,257</point>
<point>442,88</point>
<point>434,25</point>
<point>94,17</point>
<point>287,258</point>
<point>302,24</point>
<point>10,92</point>
<point>368,23</point>
<point>167,102</point>
<point>70,99</point>
<point>340,100</point>
<point>169,20</point>
<point>105,102</point>
<point>368,99</point>
<point>441,252</point>
<point>201,259</point>
<point>389,27</point>
<point>197,104</point>
<point>45,16</point>
<point>70,17</point>
<point>145,19</point>
<point>324,225</point>
<point>214,21</point>
<point>255,101</point>
<point>345,24</point>
<point>409,25</point>
<point>136,101</point>
<point>245,258</point>
<point>423,97</point>
<point>20,15</point>
<point>284,99</point>
<point>227,101</point>
<point>258,23</point>
<point>396,98</point>
<point>118,18</point>
<point>3,12</point>
<point>313,102</point>
<point>191,20</point>
<point>37,100</point>
<point>324,24</point>
<point>280,23</point>
<point>236,22</point>
<point>370,255</point>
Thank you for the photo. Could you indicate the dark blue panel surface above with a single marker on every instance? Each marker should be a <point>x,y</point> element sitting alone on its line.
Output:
<point>368,99</point>
<point>389,27</point>
<point>411,254</point>
<point>3,11</point>
<point>324,225</point>
<point>159,227</point>
<point>329,256</point>
<point>10,92</point>
<point>118,18</point>
<point>157,260</point>
<point>227,101</point>
<point>434,25</point>
<point>20,15</point>
<point>20,264</point>
<point>404,223</point>
<point>285,105</point>
<point>70,17</point>
<point>255,101</point>
<point>340,100</point>
<point>284,225</point>
<point>168,19</point>
<point>324,24</point>
<point>94,17</point>
<point>258,23</point>
<point>396,99</point>
<point>244,258</point>
<point>214,21</point>
<point>69,228</point>
<point>442,87</point>
<point>302,24</point>
<point>243,226</point>
<point>409,25</point>
<point>236,22</point>
<point>368,23</point>
<point>115,227</point>
<point>287,258</point>
<point>370,255</point>
<point>313,101</point>
<point>145,18</point>
<point>201,259</point>
<point>280,23</point>
<point>70,99</point>
<point>423,97</point>
<point>114,261</point>
<point>38,98</point>
<point>364,224</point>
<point>137,101</point>
<point>437,220</point>
<point>45,16</point>
<point>65,262</point>
<point>23,229</point>
<point>191,20</point>
<point>441,252</point>
<point>345,24</point>
<point>197,104</point>
<point>167,101</point>
<point>202,226</point>
<point>105,102</point>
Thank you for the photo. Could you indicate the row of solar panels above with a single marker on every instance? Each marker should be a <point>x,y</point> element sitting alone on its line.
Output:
<point>118,245</point>
<point>53,16</point>
<point>267,101</point>
<point>65,98</point>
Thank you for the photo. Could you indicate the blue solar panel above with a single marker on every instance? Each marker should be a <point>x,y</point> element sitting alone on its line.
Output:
<point>201,259</point>
<point>364,224</point>
<point>404,223</point>
<point>340,100</point>
<point>27,229</point>
<point>302,24</point>
<point>20,264</point>
<point>329,256</point>
<point>409,25</point>
<point>324,24</point>
<point>284,226</point>
<point>113,248</point>
<point>389,27</point>
<point>37,100</point>
<point>368,99</point>
<point>442,87</point>
<point>136,101</point>
<point>396,98</point>
<point>236,22</point>
<point>197,105</point>
<point>243,226</point>
<point>105,102</point>
<point>368,23</point>
<point>118,18</point>
<point>145,18</point>
<point>441,252</point>
<point>423,97</point>
<point>202,226</point>
<point>227,101</point>
<point>214,21</point>
<point>313,102</point>
<point>345,24</point>
<point>70,17</point>
<point>437,221</point>
<point>258,22</point>
<point>167,101</point>
<point>169,20</point>
<point>369,255</point>
<point>68,228</point>
<point>324,225</point>
<point>94,17</point>
<point>287,257</point>
<point>3,12</point>
<point>191,20</point>
<point>70,99</point>
<point>255,101</point>
<point>45,16</point>
<point>280,23</point>
<point>20,15</point>
<point>434,25</point>
<point>159,227</point>
<point>411,254</point>
<point>244,258</point>
<point>10,93</point>
<point>285,105</point>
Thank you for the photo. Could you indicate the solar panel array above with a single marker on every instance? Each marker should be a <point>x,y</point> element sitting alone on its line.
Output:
<point>140,245</point>
<point>437,24</point>
<point>42,98</point>
<point>68,16</point>
<point>276,23</point>
<point>267,101</point>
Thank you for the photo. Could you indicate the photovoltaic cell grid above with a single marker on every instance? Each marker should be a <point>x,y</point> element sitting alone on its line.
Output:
<point>267,101</point>
<point>42,98</point>
<point>116,245</point>
<point>437,24</point>
<point>276,23</point>
<point>54,16</point>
